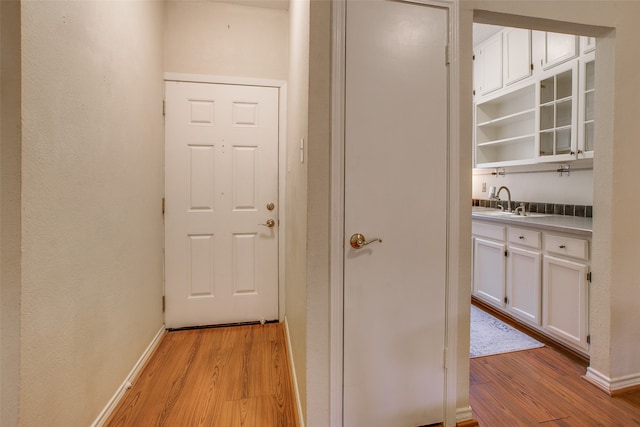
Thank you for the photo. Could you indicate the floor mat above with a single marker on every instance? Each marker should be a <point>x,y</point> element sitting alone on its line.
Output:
<point>492,336</point>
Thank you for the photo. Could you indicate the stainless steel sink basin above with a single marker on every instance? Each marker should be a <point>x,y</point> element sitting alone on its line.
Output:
<point>503,214</point>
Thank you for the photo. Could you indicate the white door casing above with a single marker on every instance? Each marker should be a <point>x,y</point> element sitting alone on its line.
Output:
<point>221,172</point>
<point>396,189</point>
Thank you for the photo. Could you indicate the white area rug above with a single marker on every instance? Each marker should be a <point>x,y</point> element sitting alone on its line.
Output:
<point>492,336</point>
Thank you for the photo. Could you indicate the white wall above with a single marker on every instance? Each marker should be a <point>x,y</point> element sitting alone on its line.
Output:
<point>296,192</point>
<point>91,202</point>
<point>10,205</point>
<point>615,294</point>
<point>223,39</point>
<point>547,187</point>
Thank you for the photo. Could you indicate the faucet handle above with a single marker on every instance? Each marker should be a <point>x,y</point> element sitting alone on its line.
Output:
<point>521,210</point>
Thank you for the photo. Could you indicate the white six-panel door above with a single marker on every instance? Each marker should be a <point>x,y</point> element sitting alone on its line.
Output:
<point>221,183</point>
<point>396,189</point>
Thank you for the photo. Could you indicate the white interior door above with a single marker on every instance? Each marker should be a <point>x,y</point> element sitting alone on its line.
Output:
<point>396,189</point>
<point>221,184</point>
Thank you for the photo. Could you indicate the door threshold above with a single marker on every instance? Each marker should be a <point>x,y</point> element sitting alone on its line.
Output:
<point>222,325</point>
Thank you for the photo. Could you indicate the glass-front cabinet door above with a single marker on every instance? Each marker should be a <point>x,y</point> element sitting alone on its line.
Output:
<point>586,136</point>
<point>558,106</point>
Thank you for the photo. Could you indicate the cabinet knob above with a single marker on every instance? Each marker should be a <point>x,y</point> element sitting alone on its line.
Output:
<point>521,237</point>
<point>562,246</point>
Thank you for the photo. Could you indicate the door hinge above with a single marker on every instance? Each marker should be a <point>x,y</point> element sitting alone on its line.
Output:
<point>589,277</point>
<point>506,300</point>
<point>164,107</point>
<point>446,55</point>
<point>163,303</point>
<point>589,339</point>
<point>473,58</point>
<point>163,205</point>
<point>506,253</point>
<point>531,67</point>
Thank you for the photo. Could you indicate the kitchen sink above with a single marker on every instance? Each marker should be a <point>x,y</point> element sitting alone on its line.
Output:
<point>505,214</point>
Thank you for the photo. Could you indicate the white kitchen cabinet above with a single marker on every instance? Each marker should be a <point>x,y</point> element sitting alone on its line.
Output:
<point>587,44</point>
<point>507,273</point>
<point>542,280</point>
<point>524,117</point>
<point>558,48</point>
<point>488,273</point>
<point>524,262</point>
<point>517,55</point>
<point>488,61</point>
<point>565,300</point>
<point>505,129</point>
<point>558,110</point>
<point>586,108</point>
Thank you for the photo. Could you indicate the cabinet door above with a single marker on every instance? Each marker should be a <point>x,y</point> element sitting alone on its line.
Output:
<point>523,284</point>
<point>489,59</point>
<point>517,55</point>
<point>559,48</point>
<point>488,271</point>
<point>586,122</point>
<point>587,44</point>
<point>558,112</point>
<point>565,301</point>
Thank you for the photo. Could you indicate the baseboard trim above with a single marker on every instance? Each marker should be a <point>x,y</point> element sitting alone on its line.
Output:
<point>294,376</point>
<point>126,385</point>
<point>613,386</point>
<point>464,417</point>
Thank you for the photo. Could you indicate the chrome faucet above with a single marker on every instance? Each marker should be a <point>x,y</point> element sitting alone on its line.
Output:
<point>497,194</point>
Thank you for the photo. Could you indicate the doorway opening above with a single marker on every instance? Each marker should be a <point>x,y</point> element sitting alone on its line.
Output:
<point>534,142</point>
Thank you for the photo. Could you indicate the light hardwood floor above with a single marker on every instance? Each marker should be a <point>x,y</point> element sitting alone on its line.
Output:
<point>234,376</point>
<point>544,387</point>
<point>240,376</point>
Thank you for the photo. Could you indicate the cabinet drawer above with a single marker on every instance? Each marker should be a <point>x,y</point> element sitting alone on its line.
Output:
<point>567,246</point>
<point>524,237</point>
<point>490,231</point>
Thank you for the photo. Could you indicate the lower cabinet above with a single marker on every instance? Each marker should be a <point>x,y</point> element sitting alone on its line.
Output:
<point>488,272</point>
<point>565,301</point>
<point>535,276</point>
<point>523,284</point>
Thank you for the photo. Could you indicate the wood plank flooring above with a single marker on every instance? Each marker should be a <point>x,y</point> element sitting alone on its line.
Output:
<point>544,386</point>
<point>234,376</point>
<point>240,376</point>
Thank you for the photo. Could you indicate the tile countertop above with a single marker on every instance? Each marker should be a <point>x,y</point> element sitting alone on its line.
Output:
<point>561,223</point>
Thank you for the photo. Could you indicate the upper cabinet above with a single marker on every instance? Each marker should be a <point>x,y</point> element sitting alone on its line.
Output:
<point>587,97</point>
<point>557,107</point>
<point>534,97</point>
<point>558,48</point>
<point>502,60</point>
<point>488,56</point>
<point>517,55</point>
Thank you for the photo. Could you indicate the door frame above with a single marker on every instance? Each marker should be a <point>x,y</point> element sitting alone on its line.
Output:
<point>281,85</point>
<point>455,186</point>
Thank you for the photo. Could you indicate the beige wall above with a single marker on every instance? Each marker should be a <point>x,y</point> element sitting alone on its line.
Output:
<point>223,39</point>
<point>91,190</point>
<point>319,215</point>
<point>296,301</point>
<point>615,294</point>
<point>10,221</point>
